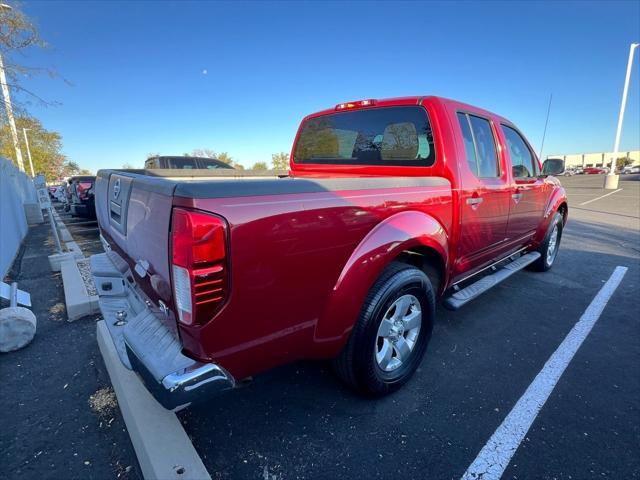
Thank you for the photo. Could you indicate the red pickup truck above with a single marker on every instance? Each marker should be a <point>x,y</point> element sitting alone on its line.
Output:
<point>212,277</point>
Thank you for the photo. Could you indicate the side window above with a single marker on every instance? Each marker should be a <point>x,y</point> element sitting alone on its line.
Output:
<point>522,161</point>
<point>480,145</point>
<point>469,147</point>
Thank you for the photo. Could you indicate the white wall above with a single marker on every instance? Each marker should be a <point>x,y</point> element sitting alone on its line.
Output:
<point>595,159</point>
<point>16,188</point>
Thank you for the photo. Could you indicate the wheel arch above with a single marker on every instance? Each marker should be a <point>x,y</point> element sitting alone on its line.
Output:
<point>429,261</point>
<point>411,237</point>
<point>557,203</point>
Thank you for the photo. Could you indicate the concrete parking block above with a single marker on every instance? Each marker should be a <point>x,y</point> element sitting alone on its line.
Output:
<point>75,248</point>
<point>78,301</point>
<point>57,258</point>
<point>65,235</point>
<point>162,446</point>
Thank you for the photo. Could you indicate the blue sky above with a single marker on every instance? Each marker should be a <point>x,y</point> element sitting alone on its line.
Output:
<point>238,77</point>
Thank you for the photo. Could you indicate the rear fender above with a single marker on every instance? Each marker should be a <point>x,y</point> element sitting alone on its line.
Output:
<point>380,247</point>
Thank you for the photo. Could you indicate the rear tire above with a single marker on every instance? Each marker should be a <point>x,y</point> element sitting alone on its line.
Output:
<point>390,337</point>
<point>549,248</point>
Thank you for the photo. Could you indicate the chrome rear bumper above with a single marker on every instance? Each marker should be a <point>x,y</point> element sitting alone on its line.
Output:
<point>148,345</point>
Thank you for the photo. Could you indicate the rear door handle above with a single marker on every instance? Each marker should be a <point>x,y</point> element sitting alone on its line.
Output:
<point>516,196</point>
<point>474,201</point>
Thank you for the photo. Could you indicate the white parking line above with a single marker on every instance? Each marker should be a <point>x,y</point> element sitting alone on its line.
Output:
<point>494,457</point>
<point>602,196</point>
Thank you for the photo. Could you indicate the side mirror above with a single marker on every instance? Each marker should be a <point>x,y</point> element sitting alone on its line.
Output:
<point>553,166</point>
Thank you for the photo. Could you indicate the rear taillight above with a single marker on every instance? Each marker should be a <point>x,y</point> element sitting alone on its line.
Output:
<point>199,265</point>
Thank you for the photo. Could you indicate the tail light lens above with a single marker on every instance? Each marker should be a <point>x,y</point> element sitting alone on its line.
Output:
<point>199,265</point>
<point>357,104</point>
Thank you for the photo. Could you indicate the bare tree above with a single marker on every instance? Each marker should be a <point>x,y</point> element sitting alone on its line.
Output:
<point>204,152</point>
<point>222,156</point>
<point>18,34</point>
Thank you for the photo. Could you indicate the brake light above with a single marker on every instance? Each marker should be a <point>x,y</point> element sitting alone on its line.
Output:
<point>357,104</point>
<point>199,265</point>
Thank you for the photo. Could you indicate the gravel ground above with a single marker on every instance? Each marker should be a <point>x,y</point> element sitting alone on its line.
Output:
<point>85,272</point>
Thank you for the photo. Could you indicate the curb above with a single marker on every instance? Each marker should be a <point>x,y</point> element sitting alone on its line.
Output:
<point>162,446</point>
<point>73,250</point>
<point>57,259</point>
<point>76,298</point>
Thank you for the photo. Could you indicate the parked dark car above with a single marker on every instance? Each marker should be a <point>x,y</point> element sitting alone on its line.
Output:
<point>184,163</point>
<point>82,202</point>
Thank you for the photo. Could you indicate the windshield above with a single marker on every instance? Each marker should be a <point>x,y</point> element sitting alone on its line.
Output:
<point>376,136</point>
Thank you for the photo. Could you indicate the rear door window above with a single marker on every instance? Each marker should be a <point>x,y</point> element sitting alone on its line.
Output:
<point>523,163</point>
<point>375,136</point>
<point>480,145</point>
<point>469,146</point>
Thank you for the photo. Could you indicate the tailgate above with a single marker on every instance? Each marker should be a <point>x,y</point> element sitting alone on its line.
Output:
<point>134,214</point>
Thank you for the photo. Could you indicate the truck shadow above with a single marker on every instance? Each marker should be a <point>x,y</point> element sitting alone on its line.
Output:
<point>487,352</point>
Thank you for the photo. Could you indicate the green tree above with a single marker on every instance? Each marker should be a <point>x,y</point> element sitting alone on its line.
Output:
<point>260,166</point>
<point>45,147</point>
<point>226,158</point>
<point>280,161</point>
<point>622,162</point>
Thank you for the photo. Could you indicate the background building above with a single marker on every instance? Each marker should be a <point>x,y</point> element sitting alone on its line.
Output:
<point>595,159</point>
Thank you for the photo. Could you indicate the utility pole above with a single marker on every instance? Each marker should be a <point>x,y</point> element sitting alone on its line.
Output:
<point>611,180</point>
<point>7,104</point>
<point>26,142</point>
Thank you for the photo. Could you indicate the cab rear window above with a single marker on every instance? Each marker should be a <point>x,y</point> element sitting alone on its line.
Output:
<point>374,136</point>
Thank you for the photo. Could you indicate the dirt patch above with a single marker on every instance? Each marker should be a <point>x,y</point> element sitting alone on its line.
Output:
<point>103,402</point>
<point>58,312</point>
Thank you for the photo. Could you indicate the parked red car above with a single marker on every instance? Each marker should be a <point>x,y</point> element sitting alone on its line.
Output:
<point>82,201</point>
<point>595,171</point>
<point>210,277</point>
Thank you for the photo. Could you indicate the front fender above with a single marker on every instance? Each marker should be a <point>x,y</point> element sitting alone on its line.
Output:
<point>557,198</point>
<point>395,234</point>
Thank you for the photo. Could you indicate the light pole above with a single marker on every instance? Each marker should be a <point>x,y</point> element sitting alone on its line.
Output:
<point>7,104</point>
<point>26,142</point>
<point>611,180</point>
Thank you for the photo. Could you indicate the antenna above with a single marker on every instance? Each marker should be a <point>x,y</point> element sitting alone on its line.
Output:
<point>546,122</point>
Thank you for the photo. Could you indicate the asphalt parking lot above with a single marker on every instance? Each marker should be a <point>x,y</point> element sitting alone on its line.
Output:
<point>298,421</point>
<point>60,418</point>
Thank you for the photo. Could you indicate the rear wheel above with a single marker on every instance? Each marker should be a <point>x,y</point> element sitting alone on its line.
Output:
<point>390,337</point>
<point>549,248</point>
